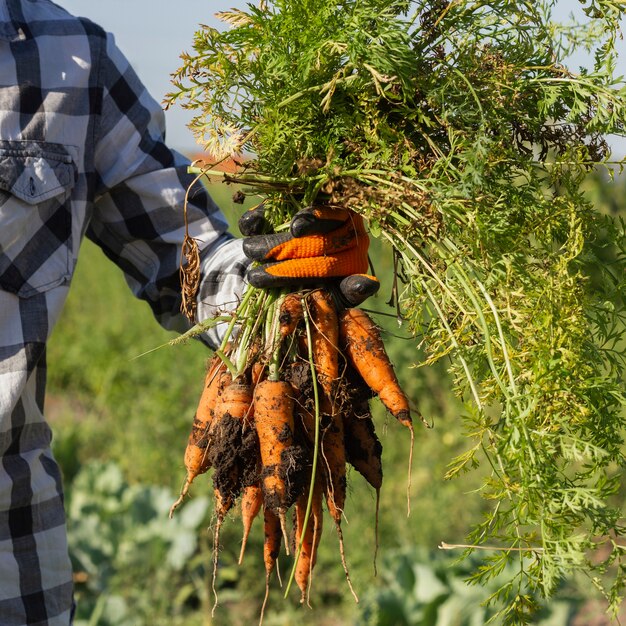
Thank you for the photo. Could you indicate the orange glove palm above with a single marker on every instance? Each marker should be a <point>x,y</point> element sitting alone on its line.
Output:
<point>322,244</point>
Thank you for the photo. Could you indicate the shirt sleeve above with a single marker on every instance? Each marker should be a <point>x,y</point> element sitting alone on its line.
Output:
<point>138,216</point>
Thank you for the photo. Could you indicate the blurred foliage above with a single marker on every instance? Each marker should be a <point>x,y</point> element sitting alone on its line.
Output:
<point>120,535</point>
<point>424,589</point>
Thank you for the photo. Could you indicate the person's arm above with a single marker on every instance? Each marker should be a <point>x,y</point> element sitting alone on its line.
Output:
<point>138,212</point>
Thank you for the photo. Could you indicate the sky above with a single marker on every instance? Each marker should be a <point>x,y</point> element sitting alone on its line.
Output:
<point>153,33</point>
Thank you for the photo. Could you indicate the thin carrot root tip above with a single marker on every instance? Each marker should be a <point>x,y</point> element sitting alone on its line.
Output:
<point>267,593</point>
<point>376,532</point>
<point>176,504</point>
<point>251,502</point>
<point>344,563</point>
<point>216,543</point>
<point>410,473</point>
<point>283,528</point>
<point>244,543</point>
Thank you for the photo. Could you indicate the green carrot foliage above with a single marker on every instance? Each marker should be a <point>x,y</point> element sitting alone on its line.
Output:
<point>458,130</point>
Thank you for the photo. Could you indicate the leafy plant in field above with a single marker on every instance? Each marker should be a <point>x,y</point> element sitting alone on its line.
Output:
<point>421,589</point>
<point>119,534</point>
<point>458,131</point>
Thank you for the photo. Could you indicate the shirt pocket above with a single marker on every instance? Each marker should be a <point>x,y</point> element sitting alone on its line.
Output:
<point>36,180</point>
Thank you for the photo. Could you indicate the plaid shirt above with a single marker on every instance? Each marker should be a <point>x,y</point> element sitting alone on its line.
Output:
<point>81,153</point>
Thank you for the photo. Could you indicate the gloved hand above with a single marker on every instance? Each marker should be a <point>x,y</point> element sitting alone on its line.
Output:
<point>322,245</point>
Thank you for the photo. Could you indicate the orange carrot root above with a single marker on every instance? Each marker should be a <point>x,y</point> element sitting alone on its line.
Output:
<point>325,340</point>
<point>234,408</point>
<point>307,545</point>
<point>361,341</point>
<point>197,451</point>
<point>363,448</point>
<point>333,455</point>
<point>271,550</point>
<point>291,314</point>
<point>259,434</point>
<point>251,502</point>
<point>274,420</point>
<point>344,563</point>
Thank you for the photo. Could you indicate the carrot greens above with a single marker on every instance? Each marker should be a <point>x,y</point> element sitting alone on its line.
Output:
<point>463,135</point>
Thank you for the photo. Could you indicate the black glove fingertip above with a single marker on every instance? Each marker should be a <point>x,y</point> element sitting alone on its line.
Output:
<point>254,222</point>
<point>303,223</point>
<point>306,222</point>
<point>259,278</point>
<point>258,247</point>
<point>356,288</point>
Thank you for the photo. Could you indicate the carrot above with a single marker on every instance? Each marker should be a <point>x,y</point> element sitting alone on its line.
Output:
<point>324,335</point>
<point>361,341</point>
<point>333,458</point>
<point>257,371</point>
<point>251,501</point>
<point>235,405</point>
<point>226,431</point>
<point>364,453</point>
<point>274,420</point>
<point>334,471</point>
<point>290,314</point>
<point>310,542</point>
<point>363,345</point>
<point>271,549</point>
<point>333,452</point>
<point>363,448</point>
<point>196,457</point>
<point>271,540</point>
<point>325,340</point>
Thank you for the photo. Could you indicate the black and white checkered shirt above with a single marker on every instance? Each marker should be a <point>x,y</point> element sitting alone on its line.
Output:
<point>81,153</point>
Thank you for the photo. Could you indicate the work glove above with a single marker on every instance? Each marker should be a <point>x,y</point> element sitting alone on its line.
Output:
<point>323,246</point>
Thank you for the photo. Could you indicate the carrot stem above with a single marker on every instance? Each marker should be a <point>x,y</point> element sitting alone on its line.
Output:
<point>245,301</point>
<point>227,362</point>
<point>272,335</point>
<point>253,320</point>
<point>274,339</point>
<point>267,593</point>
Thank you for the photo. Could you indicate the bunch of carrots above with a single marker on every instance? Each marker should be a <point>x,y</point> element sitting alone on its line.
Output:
<point>280,418</point>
